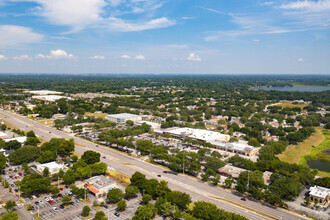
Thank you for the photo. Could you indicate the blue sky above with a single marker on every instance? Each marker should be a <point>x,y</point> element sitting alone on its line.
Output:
<point>165,36</point>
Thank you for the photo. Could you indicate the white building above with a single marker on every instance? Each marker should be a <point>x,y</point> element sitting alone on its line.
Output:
<point>319,194</point>
<point>123,117</point>
<point>43,92</point>
<point>53,167</point>
<point>99,185</point>
<point>3,135</point>
<point>197,134</point>
<point>49,98</point>
<point>19,139</point>
<point>237,148</point>
<point>154,126</point>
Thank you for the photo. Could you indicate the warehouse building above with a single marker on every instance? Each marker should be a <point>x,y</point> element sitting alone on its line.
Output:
<point>53,167</point>
<point>123,117</point>
<point>237,148</point>
<point>197,134</point>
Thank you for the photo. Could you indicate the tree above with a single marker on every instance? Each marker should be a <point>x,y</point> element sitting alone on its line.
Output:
<point>129,123</point>
<point>10,204</point>
<point>100,215</point>
<point>216,180</point>
<point>66,199</point>
<point>229,182</point>
<point>3,161</point>
<point>86,210</point>
<point>30,134</point>
<point>146,198</point>
<point>121,205</point>
<point>3,127</point>
<point>139,180</point>
<point>254,142</point>
<point>115,195</point>
<point>35,184</point>
<point>131,192</point>
<point>9,216</point>
<point>91,157</point>
<point>34,141</point>
<point>144,146</point>
<point>47,156</point>
<point>55,191</point>
<point>13,145</point>
<point>180,199</point>
<point>24,154</point>
<point>69,177</point>
<point>45,172</point>
<point>145,212</point>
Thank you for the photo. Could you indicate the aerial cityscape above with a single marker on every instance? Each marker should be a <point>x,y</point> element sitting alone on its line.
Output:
<point>154,109</point>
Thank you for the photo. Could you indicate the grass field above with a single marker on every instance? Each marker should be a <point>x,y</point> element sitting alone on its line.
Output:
<point>97,115</point>
<point>291,105</point>
<point>294,153</point>
<point>119,176</point>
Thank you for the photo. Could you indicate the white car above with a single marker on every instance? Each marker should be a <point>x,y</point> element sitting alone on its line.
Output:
<point>19,205</point>
<point>55,209</point>
<point>47,199</point>
<point>41,202</point>
<point>51,198</point>
<point>34,197</point>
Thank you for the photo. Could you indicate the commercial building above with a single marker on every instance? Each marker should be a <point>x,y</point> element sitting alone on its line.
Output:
<point>43,92</point>
<point>237,148</point>
<point>197,134</point>
<point>154,126</point>
<point>123,117</point>
<point>230,170</point>
<point>320,195</point>
<point>3,135</point>
<point>99,185</point>
<point>48,98</point>
<point>19,139</point>
<point>53,167</point>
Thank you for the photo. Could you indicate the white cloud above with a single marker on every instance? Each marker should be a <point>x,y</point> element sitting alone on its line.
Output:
<point>256,40</point>
<point>74,13</point>
<point>319,5</point>
<point>194,57</point>
<point>11,35</point>
<point>117,24</point>
<point>267,3</point>
<point>2,57</point>
<point>125,56</point>
<point>79,14</point>
<point>139,57</point>
<point>22,57</point>
<point>55,54</point>
<point>300,59</point>
<point>98,57</point>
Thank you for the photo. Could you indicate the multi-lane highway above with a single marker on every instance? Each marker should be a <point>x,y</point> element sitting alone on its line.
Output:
<point>128,165</point>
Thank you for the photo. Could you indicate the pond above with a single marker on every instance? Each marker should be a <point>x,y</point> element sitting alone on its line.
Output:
<point>297,88</point>
<point>320,165</point>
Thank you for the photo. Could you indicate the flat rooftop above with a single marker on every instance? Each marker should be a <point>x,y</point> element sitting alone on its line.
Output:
<point>123,115</point>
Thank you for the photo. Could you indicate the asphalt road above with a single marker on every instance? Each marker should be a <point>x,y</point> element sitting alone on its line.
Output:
<point>128,165</point>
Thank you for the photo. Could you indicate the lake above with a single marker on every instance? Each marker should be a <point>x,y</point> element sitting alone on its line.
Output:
<point>297,88</point>
<point>320,165</point>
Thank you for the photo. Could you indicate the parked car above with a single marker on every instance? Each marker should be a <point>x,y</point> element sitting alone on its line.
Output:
<point>47,199</point>
<point>61,206</point>
<point>117,214</point>
<point>55,209</point>
<point>71,203</point>
<point>243,199</point>
<point>19,205</point>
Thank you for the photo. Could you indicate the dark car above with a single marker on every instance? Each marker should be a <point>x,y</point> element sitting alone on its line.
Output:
<point>105,206</point>
<point>117,214</point>
<point>104,157</point>
<point>37,203</point>
<point>71,203</point>
<point>32,208</point>
<point>16,190</point>
<point>31,198</point>
<point>159,175</point>
<point>60,195</point>
<point>243,199</point>
<point>61,206</point>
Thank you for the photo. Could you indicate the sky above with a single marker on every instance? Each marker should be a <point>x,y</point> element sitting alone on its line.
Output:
<point>165,36</point>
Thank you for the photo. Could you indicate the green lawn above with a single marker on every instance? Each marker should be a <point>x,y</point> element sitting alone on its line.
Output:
<point>294,153</point>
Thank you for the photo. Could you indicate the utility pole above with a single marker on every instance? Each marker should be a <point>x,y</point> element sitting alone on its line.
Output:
<point>183,163</point>
<point>248,183</point>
